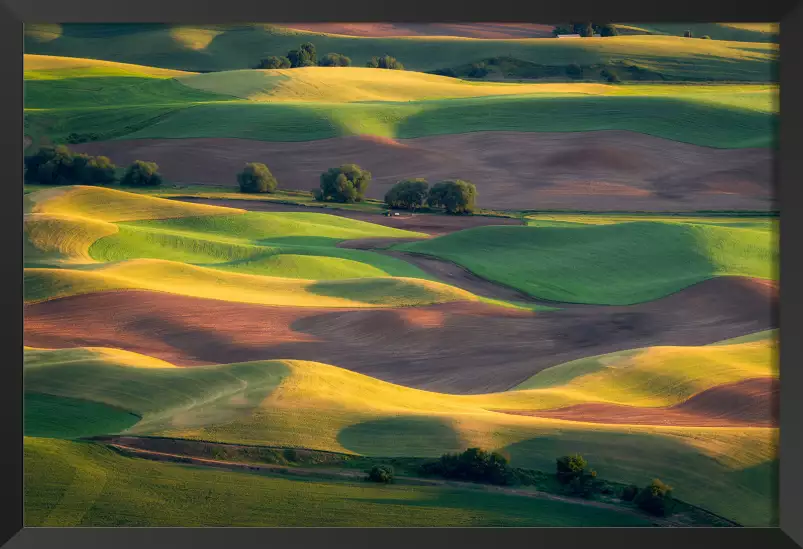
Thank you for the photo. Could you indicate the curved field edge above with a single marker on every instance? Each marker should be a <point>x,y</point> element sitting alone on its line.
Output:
<point>242,46</point>
<point>616,264</point>
<point>75,484</point>
<point>694,122</point>
<point>298,404</point>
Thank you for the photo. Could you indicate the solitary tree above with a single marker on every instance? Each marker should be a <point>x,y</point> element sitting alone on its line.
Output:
<point>655,498</point>
<point>334,60</point>
<point>381,473</point>
<point>274,62</point>
<point>142,174</point>
<point>407,195</point>
<point>347,183</point>
<point>456,197</point>
<point>256,178</point>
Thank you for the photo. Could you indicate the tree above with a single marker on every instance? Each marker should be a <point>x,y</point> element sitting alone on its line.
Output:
<point>655,498</point>
<point>304,56</point>
<point>609,76</point>
<point>478,70</point>
<point>334,60</point>
<point>456,197</point>
<point>256,178</point>
<point>348,183</point>
<point>309,49</point>
<point>583,29</point>
<point>573,472</point>
<point>142,174</point>
<point>381,473</point>
<point>629,492</point>
<point>407,195</point>
<point>561,29</point>
<point>574,70</point>
<point>445,72</point>
<point>274,62</point>
<point>60,166</point>
<point>608,30</point>
<point>687,34</point>
<point>385,62</point>
<point>474,464</point>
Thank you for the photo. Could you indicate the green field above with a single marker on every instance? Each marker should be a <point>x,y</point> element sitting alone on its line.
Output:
<point>310,405</point>
<point>321,103</point>
<point>81,484</point>
<point>616,264</point>
<point>739,32</point>
<point>218,47</point>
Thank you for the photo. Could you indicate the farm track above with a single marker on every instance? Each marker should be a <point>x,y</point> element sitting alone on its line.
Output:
<point>145,453</point>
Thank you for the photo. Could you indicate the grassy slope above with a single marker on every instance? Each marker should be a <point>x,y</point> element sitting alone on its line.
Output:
<point>291,403</point>
<point>722,126</point>
<point>273,258</point>
<point>616,264</point>
<point>240,47</point>
<point>740,32</point>
<point>72,484</point>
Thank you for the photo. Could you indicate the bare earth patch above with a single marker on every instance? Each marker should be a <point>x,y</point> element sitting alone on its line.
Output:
<point>464,347</point>
<point>593,171</point>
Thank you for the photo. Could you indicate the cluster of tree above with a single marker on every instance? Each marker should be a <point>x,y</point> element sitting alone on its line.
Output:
<point>474,465</point>
<point>456,197</point>
<point>586,29</point>
<point>380,473</point>
<point>385,62</point>
<point>347,183</point>
<point>573,472</point>
<point>60,166</point>
<point>256,178</point>
<point>655,498</point>
<point>305,56</point>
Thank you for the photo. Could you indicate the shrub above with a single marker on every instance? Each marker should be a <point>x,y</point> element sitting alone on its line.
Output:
<point>474,465</point>
<point>629,492</point>
<point>705,37</point>
<point>407,195</point>
<point>574,70</point>
<point>348,183</point>
<point>456,197</point>
<point>142,174</point>
<point>334,60</point>
<point>561,29</point>
<point>609,76</point>
<point>274,62</point>
<point>256,178</point>
<point>385,62</point>
<point>380,473</point>
<point>655,498</point>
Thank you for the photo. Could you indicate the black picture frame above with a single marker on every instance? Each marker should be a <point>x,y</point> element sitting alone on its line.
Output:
<point>789,181</point>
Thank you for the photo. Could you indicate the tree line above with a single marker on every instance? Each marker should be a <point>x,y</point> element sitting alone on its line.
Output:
<point>306,56</point>
<point>60,166</point>
<point>571,472</point>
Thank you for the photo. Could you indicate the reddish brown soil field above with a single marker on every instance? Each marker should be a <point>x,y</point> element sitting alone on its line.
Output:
<point>456,348</point>
<point>752,402</point>
<point>593,171</point>
<point>467,30</point>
